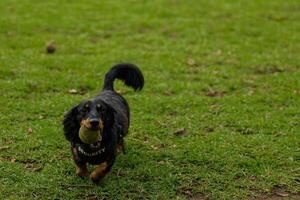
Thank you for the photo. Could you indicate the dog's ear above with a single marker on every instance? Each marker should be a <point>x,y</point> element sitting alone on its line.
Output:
<point>71,124</point>
<point>108,115</point>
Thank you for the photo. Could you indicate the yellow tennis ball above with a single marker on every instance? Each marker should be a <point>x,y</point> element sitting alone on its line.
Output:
<point>89,136</point>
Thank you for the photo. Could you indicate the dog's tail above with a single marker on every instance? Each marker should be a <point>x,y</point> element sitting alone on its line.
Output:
<point>130,74</point>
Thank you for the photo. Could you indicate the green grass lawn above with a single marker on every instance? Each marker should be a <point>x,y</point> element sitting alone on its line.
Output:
<point>228,72</point>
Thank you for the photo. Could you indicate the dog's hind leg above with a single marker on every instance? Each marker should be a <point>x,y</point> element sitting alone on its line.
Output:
<point>121,148</point>
<point>121,142</point>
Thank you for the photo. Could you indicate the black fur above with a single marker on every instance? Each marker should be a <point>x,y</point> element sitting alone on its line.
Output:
<point>108,106</point>
<point>129,73</point>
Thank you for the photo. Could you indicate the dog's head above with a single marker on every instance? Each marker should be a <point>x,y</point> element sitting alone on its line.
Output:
<point>93,114</point>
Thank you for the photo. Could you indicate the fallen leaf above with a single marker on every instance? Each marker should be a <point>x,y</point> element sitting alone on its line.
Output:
<point>282,194</point>
<point>161,162</point>
<point>120,174</point>
<point>50,47</point>
<point>209,129</point>
<point>158,146</point>
<point>92,198</point>
<point>119,91</point>
<point>77,185</point>
<point>168,93</point>
<point>73,91</point>
<point>185,191</point>
<point>8,159</point>
<point>181,132</point>
<point>215,93</point>
<point>297,91</point>
<point>29,130</point>
<point>4,147</point>
<point>36,169</point>
<point>173,113</point>
<point>199,196</point>
<point>269,70</point>
<point>32,167</point>
<point>190,62</point>
<point>154,147</point>
<point>146,139</point>
<point>217,53</point>
<point>161,145</point>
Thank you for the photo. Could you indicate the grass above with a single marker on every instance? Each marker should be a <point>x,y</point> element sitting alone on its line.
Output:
<point>225,71</point>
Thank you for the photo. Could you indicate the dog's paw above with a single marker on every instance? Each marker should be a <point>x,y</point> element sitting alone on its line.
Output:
<point>99,172</point>
<point>95,179</point>
<point>82,173</point>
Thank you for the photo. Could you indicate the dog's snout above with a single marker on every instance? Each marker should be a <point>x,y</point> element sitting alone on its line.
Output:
<point>94,122</point>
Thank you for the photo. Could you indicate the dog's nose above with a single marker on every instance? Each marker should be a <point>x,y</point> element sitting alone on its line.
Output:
<point>94,122</point>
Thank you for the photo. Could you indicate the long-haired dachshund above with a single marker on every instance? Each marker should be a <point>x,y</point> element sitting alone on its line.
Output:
<point>108,113</point>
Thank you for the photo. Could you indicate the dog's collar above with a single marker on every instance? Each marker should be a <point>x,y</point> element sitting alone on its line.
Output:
<point>90,154</point>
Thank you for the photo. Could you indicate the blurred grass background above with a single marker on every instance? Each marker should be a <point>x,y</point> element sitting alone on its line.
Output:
<point>227,72</point>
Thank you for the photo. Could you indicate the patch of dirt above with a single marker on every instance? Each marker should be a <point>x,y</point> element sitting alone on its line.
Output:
<point>181,132</point>
<point>277,193</point>
<point>146,139</point>
<point>92,198</point>
<point>173,113</point>
<point>245,131</point>
<point>214,93</point>
<point>190,194</point>
<point>278,18</point>
<point>199,196</point>
<point>119,173</point>
<point>269,70</point>
<point>8,159</point>
<point>33,167</point>
<point>292,8</point>
<point>208,129</point>
<point>168,93</point>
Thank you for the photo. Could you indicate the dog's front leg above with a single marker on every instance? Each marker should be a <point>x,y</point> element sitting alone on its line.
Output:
<point>81,170</point>
<point>81,167</point>
<point>99,172</point>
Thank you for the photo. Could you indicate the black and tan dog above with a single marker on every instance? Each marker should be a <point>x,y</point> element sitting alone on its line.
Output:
<point>107,112</point>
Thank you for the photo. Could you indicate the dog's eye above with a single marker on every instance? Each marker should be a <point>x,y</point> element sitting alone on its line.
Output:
<point>85,108</point>
<point>98,107</point>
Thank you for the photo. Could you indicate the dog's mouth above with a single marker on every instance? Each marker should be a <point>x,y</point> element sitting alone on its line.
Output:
<point>90,136</point>
<point>96,144</point>
<point>94,128</point>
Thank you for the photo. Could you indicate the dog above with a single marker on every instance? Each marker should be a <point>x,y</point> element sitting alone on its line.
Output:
<point>107,112</point>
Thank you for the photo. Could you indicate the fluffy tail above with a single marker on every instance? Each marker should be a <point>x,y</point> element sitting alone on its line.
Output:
<point>130,74</point>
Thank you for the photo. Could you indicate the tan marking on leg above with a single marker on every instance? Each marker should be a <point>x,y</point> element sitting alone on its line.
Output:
<point>82,171</point>
<point>101,126</point>
<point>99,172</point>
<point>120,148</point>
